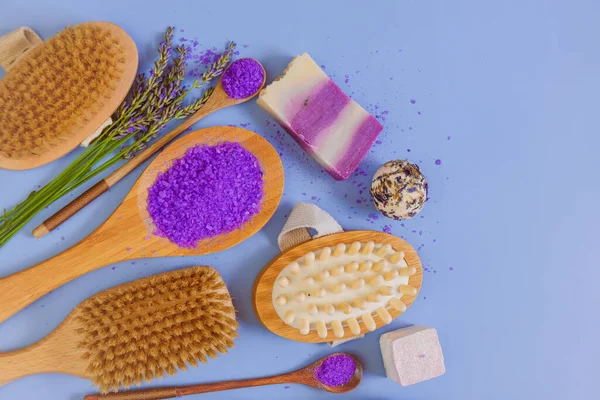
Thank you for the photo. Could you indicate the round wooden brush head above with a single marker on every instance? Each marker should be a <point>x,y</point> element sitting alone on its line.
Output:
<point>136,332</point>
<point>61,91</point>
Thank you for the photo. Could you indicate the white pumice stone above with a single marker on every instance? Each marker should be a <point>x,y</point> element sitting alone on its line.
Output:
<point>312,309</point>
<point>281,300</point>
<point>320,293</point>
<point>309,280</point>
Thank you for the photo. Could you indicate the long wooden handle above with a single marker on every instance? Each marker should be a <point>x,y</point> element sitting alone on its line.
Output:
<point>71,209</point>
<point>54,353</point>
<point>217,101</point>
<point>172,392</point>
<point>23,288</point>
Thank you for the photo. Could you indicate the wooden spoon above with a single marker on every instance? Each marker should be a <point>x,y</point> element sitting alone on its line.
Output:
<point>304,376</point>
<point>217,101</point>
<point>127,234</point>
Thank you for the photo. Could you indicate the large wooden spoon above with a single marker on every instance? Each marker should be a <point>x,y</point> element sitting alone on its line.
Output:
<point>127,234</point>
<point>304,376</point>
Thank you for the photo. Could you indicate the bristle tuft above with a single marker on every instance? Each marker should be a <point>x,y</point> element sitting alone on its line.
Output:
<point>56,88</point>
<point>155,326</point>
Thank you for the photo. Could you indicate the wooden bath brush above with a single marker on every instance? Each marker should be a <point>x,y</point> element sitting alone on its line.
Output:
<point>128,233</point>
<point>59,92</point>
<point>135,332</point>
<point>337,286</point>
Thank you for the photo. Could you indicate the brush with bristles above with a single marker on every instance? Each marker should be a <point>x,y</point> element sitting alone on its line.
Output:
<point>61,91</point>
<point>135,332</point>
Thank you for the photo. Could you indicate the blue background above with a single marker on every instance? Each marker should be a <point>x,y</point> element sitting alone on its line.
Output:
<point>506,97</point>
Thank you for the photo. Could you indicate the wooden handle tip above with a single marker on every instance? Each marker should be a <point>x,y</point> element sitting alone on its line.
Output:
<point>38,233</point>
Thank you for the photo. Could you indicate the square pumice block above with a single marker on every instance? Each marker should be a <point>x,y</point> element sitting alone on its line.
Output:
<point>412,355</point>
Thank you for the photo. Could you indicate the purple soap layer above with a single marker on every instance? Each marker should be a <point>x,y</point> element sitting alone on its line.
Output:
<point>361,143</point>
<point>317,112</point>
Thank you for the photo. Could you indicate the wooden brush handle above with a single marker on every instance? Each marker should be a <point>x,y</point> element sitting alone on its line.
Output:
<point>179,391</point>
<point>54,353</point>
<point>71,209</point>
<point>217,101</point>
<point>23,288</point>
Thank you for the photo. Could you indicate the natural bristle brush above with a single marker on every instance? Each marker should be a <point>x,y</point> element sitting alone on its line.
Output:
<point>135,332</point>
<point>59,92</point>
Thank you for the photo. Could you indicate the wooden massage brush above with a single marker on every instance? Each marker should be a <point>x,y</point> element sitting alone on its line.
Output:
<point>59,92</point>
<point>135,332</point>
<point>337,286</point>
<point>128,232</point>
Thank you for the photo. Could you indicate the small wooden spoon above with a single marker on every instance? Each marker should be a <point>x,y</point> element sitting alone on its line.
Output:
<point>128,233</point>
<point>217,101</point>
<point>304,376</point>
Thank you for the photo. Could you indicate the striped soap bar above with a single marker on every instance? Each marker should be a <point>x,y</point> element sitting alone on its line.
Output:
<point>326,123</point>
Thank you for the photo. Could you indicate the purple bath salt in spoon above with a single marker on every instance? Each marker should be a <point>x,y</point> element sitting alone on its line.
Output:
<point>240,82</point>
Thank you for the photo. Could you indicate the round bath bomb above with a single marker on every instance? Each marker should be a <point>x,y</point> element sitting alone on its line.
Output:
<point>399,189</point>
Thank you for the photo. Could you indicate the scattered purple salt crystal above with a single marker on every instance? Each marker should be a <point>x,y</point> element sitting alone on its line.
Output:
<point>336,370</point>
<point>243,78</point>
<point>438,162</point>
<point>210,191</point>
<point>412,101</point>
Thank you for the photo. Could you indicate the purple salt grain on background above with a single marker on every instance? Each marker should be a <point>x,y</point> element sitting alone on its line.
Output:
<point>243,78</point>
<point>211,190</point>
<point>336,370</point>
